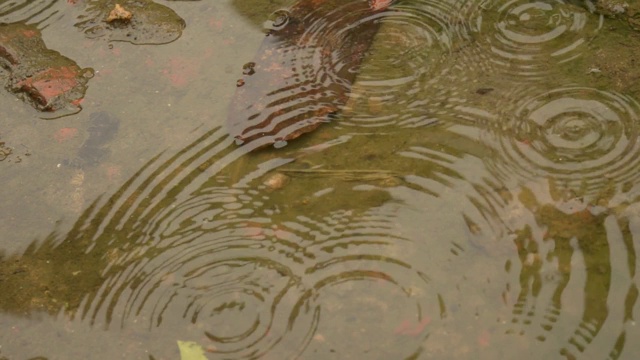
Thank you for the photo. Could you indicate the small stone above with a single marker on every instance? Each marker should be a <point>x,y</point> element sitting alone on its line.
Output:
<point>276,181</point>
<point>532,259</point>
<point>119,14</point>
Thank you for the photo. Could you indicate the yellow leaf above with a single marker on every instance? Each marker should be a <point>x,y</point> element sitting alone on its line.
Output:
<point>190,350</point>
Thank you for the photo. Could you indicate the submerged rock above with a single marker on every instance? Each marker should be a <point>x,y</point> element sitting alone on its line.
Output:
<point>304,70</point>
<point>43,77</point>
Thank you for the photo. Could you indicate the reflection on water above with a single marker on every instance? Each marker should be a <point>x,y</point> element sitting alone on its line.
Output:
<point>474,200</point>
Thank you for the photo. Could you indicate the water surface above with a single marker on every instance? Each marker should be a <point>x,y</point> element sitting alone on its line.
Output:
<point>475,197</point>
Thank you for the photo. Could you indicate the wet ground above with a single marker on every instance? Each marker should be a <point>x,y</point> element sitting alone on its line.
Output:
<point>474,197</point>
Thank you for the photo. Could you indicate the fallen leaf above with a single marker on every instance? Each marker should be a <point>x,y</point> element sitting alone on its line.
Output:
<point>190,350</point>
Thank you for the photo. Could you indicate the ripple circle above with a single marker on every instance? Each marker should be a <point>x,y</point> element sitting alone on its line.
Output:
<point>581,136</point>
<point>405,56</point>
<point>528,38</point>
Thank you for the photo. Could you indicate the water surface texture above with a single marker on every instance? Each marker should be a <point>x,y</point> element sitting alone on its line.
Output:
<point>466,185</point>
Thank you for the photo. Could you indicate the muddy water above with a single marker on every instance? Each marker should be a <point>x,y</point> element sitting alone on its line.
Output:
<point>477,197</point>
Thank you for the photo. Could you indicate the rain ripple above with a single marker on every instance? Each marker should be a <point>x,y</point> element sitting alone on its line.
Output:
<point>41,12</point>
<point>414,40</point>
<point>583,138</point>
<point>222,254</point>
<point>526,39</point>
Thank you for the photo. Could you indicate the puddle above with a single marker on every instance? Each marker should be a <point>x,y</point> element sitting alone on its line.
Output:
<point>473,195</point>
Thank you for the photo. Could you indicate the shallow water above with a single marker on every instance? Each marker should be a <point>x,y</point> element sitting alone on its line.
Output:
<point>476,197</point>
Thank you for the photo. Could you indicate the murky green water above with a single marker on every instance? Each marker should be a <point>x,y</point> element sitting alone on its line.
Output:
<point>476,197</point>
